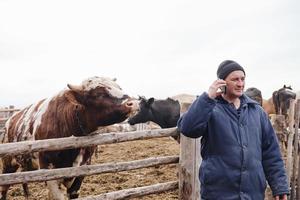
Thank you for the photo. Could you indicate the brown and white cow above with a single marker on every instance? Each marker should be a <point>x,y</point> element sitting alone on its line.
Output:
<point>78,110</point>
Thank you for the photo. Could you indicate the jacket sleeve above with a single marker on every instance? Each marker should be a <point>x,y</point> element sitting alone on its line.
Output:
<point>194,122</point>
<point>272,161</point>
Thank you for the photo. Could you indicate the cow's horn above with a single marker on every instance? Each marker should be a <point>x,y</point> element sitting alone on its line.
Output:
<point>75,87</point>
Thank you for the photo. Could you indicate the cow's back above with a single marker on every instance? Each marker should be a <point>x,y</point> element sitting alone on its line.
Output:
<point>22,125</point>
<point>268,106</point>
<point>185,100</point>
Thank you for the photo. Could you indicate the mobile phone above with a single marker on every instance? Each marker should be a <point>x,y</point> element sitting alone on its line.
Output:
<point>223,89</point>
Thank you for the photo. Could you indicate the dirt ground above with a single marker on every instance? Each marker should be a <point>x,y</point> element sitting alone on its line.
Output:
<point>103,183</point>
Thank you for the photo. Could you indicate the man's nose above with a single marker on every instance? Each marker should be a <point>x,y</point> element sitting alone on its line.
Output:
<point>241,83</point>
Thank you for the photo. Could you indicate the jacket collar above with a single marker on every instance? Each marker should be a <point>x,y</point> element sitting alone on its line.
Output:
<point>245,100</point>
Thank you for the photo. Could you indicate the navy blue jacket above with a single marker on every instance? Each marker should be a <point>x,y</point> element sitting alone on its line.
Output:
<point>240,150</point>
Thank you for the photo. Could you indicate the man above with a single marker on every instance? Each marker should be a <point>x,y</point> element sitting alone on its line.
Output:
<point>240,150</point>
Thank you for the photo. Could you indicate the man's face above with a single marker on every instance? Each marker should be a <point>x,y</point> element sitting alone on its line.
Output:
<point>235,83</point>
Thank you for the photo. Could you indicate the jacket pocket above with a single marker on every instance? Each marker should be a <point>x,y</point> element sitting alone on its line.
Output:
<point>261,179</point>
<point>209,174</point>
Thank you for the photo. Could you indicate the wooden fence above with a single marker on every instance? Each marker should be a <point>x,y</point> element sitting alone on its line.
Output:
<point>94,139</point>
<point>187,173</point>
<point>5,113</point>
<point>187,186</point>
<point>287,130</point>
<point>292,163</point>
<point>189,159</point>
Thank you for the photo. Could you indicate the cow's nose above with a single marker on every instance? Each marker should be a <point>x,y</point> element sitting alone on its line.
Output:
<point>129,104</point>
<point>133,104</point>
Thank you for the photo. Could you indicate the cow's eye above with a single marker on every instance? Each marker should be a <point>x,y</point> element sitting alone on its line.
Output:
<point>101,95</point>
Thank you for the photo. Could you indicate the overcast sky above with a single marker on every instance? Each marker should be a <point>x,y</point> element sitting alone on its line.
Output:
<point>154,48</point>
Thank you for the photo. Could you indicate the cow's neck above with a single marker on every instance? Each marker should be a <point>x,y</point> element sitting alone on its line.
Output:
<point>81,123</point>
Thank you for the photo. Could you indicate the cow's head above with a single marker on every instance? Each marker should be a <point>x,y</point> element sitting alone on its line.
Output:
<point>144,114</point>
<point>254,94</point>
<point>102,100</point>
<point>165,112</point>
<point>281,99</point>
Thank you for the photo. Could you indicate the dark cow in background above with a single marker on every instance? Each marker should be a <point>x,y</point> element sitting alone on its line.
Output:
<point>165,113</point>
<point>281,99</point>
<point>254,94</point>
<point>79,110</point>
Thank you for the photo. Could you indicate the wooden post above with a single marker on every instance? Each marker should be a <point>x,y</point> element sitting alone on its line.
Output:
<point>278,123</point>
<point>11,112</point>
<point>297,144</point>
<point>189,162</point>
<point>291,122</point>
<point>295,161</point>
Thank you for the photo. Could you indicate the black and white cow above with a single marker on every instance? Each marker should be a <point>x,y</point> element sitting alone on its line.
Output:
<point>165,113</point>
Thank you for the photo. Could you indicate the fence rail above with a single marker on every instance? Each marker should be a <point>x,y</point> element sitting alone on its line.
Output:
<point>69,172</point>
<point>17,148</point>
<point>9,109</point>
<point>135,192</point>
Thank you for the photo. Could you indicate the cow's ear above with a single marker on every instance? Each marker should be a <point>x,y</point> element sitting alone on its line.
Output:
<point>75,88</point>
<point>150,101</point>
<point>71,98</point>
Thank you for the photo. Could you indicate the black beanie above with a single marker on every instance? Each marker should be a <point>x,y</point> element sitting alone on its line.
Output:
<point>228,66</point>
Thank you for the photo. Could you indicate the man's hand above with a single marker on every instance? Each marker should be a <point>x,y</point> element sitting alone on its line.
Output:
<point>213,89</point>
<point>281,197</point>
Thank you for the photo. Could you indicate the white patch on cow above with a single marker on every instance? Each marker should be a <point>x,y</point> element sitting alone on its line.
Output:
<point>61,93</point>
<point>19,122</point>
<point>24,121</point>
<point>54,190</point>
<point>124,101</point>
<point>35,160</point>
<point>2,136</point>
<point>113,88</point>
<point>7,123</point>
<point>79,158</point>
<point>115,92</point>
<point>77,162</point>
<point>39,114</point>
